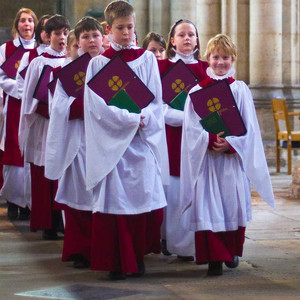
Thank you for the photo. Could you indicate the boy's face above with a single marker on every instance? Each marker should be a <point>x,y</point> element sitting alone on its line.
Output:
<point>91,42</point>
<point>122,30</point>
<point>58,39</point>
<point>220,62</point>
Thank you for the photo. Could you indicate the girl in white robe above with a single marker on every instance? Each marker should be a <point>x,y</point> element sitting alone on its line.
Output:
<point>183,43</point>
<point>16,185</point>
<point>217,172</point>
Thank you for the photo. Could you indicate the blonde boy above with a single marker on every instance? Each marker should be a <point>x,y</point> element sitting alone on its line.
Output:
<point>217,172</point>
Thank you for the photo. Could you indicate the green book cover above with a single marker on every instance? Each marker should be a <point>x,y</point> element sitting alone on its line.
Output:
<point>214,124</point>
<point>123,100</point>
<point>179,101</point>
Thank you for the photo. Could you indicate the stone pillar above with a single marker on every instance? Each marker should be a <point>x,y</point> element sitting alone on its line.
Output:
<point>166,18</point>
<point>183,10</point>
<point>142,17</point>
<point>155,15</point>
<point>291,52</point>
<point>235,23</point>
<point>266,50</point>
<point>266,65</point>
<point>208,20</point>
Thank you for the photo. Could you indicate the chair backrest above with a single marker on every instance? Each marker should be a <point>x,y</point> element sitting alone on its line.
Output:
<point>280,112</point>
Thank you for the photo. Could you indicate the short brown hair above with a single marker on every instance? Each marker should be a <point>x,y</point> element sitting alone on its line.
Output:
<point>87,23</point>
<point>40,27</point>
<point>18,16</point>
<point>118,9</point>
<point>156,37</point>
<point>57,22</point>
<point>221,42</point>
<point>170,51</point>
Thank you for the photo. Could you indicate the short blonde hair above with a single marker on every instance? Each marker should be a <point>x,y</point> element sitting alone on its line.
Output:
<point>221,42</point>
<point>71,38</point>
<point>118,9</point>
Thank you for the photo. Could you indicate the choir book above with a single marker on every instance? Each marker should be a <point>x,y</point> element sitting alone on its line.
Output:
<point>176,83</point>
<point>41,89</point>
<point>218,98</point>
<point>11,65</point>
<point>72,76</point>
<point>118,85</point>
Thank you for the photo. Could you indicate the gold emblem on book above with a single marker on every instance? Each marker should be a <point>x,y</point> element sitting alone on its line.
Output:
<point>213,104</point>
<point>17,64</point>
<point>115,83</point>
<point>178,85</point>
<point>79,78</point>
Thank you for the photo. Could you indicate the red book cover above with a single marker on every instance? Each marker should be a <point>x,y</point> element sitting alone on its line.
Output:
<point>23,72</point>
<point>179,78</point>
<point>117,76</point>
<point>41,89</point>
<point>218,97</point>
<point>72,76</point>
<point>11,65</point>
<point>52,85</point>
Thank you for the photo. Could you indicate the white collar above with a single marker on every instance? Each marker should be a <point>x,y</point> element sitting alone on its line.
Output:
<point>119,47</point>
<point>80,52</point>
<point>187,58</point>
<point>212,75</point>
<point>26,42</point>
<point>43,47</point>
<point>53,52</point>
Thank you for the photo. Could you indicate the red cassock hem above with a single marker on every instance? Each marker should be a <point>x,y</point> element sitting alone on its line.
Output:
<point>78,231</point>
<point>219,246</point>
<point>43,192</point>
<point>119,241</point>
<point>12,154</point>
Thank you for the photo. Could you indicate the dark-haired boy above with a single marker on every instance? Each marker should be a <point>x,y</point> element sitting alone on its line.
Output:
<point>65,152</point>
<point>33,130</point>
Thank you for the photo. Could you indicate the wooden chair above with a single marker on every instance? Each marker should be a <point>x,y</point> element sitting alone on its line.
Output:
<point>285,139</point>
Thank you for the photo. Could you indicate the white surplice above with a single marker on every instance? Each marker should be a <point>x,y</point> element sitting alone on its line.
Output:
<point>215,188</point>
<point>33,127</point>
<point>65,153</point>
<point>179,240</point>
<point>16,186</point>
<point>126,166</point>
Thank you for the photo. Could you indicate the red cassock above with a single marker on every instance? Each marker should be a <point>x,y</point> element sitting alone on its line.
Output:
<point>120,241</point>
<point>174,133</point>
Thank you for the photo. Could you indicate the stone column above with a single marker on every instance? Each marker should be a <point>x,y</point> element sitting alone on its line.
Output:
<point>235,23</point>
<point>183,10</point>
<point>266,50</point>
<point>208,20</point>
<point>266,65</point>
<point>166,18</point>
<point>291,52</point>
<point>155,15</point>
<point>142,17</point>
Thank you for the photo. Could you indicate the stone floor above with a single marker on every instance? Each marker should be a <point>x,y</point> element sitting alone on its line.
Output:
<point>30,268</point>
